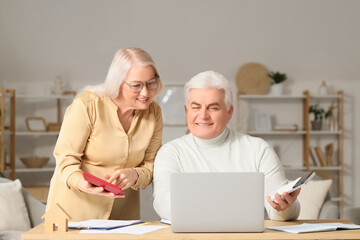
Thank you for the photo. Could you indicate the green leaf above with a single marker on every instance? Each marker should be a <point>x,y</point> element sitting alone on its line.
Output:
<point>277,77</point>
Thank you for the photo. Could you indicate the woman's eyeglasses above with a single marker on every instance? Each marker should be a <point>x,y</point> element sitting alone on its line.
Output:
<point>137,87</point>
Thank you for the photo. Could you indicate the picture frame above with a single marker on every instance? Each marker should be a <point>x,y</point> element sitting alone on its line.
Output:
<point>263,122</point>
<point>35,124</point>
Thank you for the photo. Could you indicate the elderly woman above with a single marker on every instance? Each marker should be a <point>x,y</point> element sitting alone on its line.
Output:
<point>113,131</point>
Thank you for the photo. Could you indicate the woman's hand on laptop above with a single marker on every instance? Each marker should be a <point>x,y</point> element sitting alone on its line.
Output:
<point>282,203</point>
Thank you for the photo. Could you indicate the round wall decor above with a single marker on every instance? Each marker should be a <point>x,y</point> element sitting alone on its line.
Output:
<point>252,78</point>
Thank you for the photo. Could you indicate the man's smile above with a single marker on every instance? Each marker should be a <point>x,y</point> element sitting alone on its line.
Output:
<point>204,124</point>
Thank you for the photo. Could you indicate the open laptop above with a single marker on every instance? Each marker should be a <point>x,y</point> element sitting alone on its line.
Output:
<point>217,202</point>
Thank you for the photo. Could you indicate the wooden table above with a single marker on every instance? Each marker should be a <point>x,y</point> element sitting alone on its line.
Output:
<point>166,234</point>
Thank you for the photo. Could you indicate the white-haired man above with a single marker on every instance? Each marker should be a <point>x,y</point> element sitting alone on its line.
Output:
<point>212,147</point>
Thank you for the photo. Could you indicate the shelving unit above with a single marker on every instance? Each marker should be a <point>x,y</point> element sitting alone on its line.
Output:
<point>2,130</point>
<point>7,131</point>
<point>339,135</point>
<point>306,135</point>
<point>10,169</point>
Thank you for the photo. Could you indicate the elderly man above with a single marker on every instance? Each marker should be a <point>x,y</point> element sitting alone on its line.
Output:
<point>212,147</point>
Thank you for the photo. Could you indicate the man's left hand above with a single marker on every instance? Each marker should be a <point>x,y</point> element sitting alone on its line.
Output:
<point>282,203</point>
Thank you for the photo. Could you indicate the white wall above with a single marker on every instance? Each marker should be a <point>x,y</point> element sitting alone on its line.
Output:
<point>311,41</point>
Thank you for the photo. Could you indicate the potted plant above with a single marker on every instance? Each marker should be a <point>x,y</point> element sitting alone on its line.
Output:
<point>276,80</point>
<point>319,114</point>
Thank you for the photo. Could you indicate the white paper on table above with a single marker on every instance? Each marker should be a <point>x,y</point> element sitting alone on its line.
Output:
<point>340,226</point>
<point>166,221</point>
<point>137,229</point>
<point>102,224</point>
<point>314,227</point>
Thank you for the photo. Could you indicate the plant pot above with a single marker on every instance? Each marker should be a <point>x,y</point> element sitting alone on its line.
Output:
<point>277,89</point>
<point>316,125</point>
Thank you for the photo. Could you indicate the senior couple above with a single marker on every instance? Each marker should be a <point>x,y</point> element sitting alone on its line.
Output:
<point>114,131</point>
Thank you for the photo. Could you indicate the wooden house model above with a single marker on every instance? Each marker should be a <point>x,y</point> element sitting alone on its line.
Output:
<point>56,215</point>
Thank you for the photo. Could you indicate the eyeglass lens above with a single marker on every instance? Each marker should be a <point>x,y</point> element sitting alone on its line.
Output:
<point>138,86</point>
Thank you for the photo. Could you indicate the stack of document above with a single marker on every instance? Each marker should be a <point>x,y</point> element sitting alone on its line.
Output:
<point>102,224</point>
<point>315,227</point>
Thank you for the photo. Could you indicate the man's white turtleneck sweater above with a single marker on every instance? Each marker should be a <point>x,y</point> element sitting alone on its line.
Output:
<point>229,152</point>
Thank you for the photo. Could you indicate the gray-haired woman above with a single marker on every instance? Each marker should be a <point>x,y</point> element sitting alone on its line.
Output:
<point>113,131</point>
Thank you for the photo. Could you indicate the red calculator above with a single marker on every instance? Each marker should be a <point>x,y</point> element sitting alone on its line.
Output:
<point>102,183</point>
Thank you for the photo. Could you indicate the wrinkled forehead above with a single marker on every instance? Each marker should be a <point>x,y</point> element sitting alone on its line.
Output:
<point>206,96</point>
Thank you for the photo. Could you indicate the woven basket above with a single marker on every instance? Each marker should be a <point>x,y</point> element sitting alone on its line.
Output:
<point>34,162</point>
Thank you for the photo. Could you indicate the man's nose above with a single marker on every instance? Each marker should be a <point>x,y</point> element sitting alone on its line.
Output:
<point>204,114</point>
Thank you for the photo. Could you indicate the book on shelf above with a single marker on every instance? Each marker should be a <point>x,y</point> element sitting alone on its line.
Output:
<point>314,157</point>
<point>329,149</point>
<point>320,155</point>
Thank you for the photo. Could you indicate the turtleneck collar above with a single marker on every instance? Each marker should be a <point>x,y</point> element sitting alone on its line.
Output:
<point>216,141</point>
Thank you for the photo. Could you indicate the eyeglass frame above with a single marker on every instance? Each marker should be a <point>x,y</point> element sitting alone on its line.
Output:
<point>157,78</point>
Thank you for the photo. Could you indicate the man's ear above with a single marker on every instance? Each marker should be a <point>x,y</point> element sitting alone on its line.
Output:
<point>185,109</point>
<point>231,111</point>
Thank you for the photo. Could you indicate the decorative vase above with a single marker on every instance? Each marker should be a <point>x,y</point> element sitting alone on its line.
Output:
<point>316,125</point>
<point>277,89</point>
<point>323,89</point>
<point>58,87</point>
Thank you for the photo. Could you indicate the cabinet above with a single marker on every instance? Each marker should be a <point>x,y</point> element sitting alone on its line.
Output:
<point>25,143</point>
<point>255,113</point>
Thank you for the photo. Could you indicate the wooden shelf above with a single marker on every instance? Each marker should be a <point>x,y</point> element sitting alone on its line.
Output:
<point>313,168</point>
<point>324,133</point>
<point>307,134</point>
<point>334,168</point>
<point>327,97</point>
<point>254,132</point>
<point>282,97</point>
<point>29,170</point>
<point>335,199</point>
<point>39,96</point>
<point>7,133</point>
<point>27,133</point>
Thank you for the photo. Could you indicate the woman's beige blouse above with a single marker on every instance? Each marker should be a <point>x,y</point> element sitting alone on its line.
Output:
<point>92,139</point>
